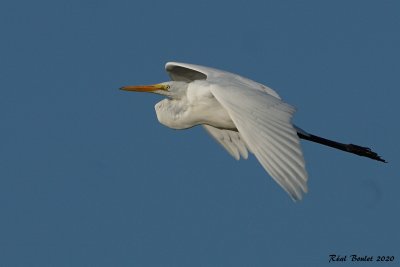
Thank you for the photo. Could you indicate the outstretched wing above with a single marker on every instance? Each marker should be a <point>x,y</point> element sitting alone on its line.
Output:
<point>264,122</point>
<point>262,119</point>
<point>230,140</point>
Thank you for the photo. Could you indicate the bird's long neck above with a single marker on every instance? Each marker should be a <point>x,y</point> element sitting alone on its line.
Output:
<point>172,113</point>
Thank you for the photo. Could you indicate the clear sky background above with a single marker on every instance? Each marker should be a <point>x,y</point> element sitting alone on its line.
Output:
<point>88,177</point>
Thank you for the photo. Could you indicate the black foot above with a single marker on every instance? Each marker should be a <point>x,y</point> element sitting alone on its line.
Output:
<point>364,151</point>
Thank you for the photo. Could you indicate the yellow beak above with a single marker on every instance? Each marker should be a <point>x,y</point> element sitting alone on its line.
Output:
<point>144,88</point>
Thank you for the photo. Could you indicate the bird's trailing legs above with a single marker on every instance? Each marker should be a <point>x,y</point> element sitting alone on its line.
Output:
<point>355,149</point>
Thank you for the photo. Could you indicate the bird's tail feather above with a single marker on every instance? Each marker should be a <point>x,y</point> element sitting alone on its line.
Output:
<point>351,148</point>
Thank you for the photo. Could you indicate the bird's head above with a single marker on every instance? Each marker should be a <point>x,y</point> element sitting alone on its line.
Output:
<point>171,89</point>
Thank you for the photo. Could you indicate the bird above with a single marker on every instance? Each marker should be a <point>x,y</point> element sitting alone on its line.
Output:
<point>243,116</point>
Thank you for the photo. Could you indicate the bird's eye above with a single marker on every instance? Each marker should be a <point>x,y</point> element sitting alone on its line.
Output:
<point>167,87</point>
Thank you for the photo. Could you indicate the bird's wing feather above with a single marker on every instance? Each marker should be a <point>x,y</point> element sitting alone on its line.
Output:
<point>230,140</point>
<point>264,122</point>
<point>190,72</point>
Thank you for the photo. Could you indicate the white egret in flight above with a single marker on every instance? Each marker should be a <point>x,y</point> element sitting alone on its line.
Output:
<point>243,116</point>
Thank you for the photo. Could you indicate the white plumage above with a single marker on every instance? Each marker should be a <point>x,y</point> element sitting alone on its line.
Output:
<point>243,116</point>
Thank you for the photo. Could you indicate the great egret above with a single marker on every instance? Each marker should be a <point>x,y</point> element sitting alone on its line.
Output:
<point>242,115</point>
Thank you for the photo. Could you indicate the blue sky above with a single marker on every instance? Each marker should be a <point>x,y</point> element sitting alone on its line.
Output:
<point>88,177</point>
